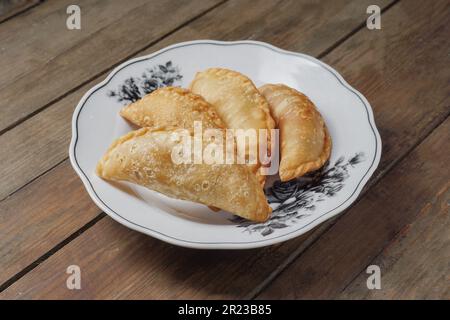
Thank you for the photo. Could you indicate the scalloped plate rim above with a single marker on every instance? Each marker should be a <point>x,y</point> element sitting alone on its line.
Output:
<point>223,245</point>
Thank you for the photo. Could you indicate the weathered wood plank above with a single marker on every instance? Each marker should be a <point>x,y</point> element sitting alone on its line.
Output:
<point>416,264</point>
<point>341,253</point>
<point>38,144</point>
<point>38,37</point>
<point>41,142</point>
<point>9,8</point>
<point>44,60</point>
<point>381,62</point>
<point>46,214</point>
<point>190,273</point>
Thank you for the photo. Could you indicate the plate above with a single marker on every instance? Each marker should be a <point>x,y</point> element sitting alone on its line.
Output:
<point>298,205</point>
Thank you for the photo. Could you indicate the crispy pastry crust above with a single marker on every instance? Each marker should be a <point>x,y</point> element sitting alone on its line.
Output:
<point>172,106</point>
<point>144,157</point>
<point>304,138</point>
<point>236,100</point>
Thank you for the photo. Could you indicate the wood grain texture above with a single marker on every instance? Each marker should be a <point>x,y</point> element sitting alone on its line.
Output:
<point>305,26</point>
<point>170,272</point>
<point>46,214</point>
<point>145,268</point>
<point>41,142</point>
<point>387,65</point>
<point>340,254</point>
<point>38,144</point>
<point>38,37</point>
<point>416,264</point>
<point>44,59</point>
<point>9,8</point>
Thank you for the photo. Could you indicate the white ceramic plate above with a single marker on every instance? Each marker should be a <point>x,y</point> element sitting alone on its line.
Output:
<point>298,206</point>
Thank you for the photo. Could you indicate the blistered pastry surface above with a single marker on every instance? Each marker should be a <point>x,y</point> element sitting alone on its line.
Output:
<point>236,99</point>
<point>144,157</point>
<point>172,106</point>
<point>305,143</point>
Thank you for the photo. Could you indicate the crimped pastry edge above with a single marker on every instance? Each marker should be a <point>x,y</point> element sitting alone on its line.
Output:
<point>298,171</point>
<point>247,82</point>
<point>289,174</point>
<point>263,211</point>
<point>128,136</point>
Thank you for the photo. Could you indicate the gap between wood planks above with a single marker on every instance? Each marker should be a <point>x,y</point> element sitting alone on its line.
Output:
<point>350,34</point>
<point>102,72</point>
<point>52,251</point>
<point>431,220</point>
<point>80,231</point>
<point>395,238</point>
<point>22,11</point>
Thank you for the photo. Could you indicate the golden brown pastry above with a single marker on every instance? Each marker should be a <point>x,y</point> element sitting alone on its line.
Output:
<point>172,106</point>
<point>144,157</point>
<point>305,144</point>
<point>236,100</point>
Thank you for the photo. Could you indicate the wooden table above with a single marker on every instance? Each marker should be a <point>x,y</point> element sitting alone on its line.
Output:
<point>400,222</point>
